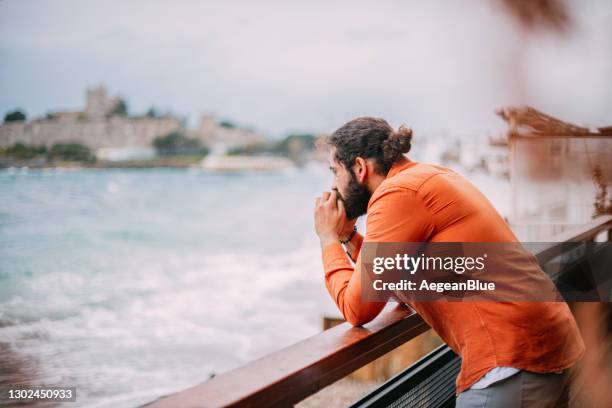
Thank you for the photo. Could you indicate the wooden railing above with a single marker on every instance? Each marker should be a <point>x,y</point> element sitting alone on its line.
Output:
<point>287,376</point>
<point>585,233</point>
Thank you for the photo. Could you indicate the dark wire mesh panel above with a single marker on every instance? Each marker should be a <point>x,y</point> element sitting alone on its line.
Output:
<point>430,382</point>
<point>435,391</point>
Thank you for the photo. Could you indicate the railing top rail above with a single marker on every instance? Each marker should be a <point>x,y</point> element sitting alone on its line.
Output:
<point>291,374</point>
<point>295,372</point>
<point>587,231</point>
<point>583,233</point>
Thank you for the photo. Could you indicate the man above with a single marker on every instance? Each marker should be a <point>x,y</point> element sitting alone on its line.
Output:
<point>513,354</point>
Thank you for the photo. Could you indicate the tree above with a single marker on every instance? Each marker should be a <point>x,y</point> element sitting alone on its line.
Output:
<point>176,143</point>
<point>15,116</point>
<point>152,113</point>
<point>228,124</point>
<point>296,144</point>
<point>121,108</point>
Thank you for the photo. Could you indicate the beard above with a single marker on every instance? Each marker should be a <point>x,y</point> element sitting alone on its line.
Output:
<point>356,198</point>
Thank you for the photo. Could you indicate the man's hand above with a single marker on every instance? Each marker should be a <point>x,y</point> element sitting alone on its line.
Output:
<point>349,224</point>
<point>330,218</point>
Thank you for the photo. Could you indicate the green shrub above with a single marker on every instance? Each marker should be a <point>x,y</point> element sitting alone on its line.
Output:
<point>291,146</point>
<point>71,151</point>
<point>23,152</point>
<point>251,149</point>
<point>176,143</point>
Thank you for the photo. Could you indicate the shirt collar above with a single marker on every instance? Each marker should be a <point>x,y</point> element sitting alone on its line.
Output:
<point>399,165</point>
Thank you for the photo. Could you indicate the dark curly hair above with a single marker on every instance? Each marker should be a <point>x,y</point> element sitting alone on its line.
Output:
<point>369,137</point>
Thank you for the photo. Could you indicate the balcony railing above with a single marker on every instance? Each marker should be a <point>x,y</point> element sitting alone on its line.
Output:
<point>289,375</point>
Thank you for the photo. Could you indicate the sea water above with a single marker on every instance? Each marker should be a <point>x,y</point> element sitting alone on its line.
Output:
<point>130,284</point>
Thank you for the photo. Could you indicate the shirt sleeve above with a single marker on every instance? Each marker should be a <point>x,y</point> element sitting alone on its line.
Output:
<point>394,215</point>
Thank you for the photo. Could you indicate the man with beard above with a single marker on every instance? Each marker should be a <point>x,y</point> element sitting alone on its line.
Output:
<point>513,353</point>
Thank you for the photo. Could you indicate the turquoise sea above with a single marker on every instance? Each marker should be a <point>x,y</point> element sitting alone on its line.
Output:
<point>130,284</point>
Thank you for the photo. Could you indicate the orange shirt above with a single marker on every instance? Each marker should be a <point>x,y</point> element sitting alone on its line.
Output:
<point>425,203</point>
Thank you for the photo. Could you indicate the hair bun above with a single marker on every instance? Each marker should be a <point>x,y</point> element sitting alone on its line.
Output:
<point>398,143</point>
<point>403,138</point>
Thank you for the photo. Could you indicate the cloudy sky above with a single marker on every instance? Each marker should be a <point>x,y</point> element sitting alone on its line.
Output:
<point>292,66</point>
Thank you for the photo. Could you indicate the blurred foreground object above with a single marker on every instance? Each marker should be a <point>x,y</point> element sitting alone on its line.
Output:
<point>534,14</point>
<point>560,173</point>
<point>593,375</point>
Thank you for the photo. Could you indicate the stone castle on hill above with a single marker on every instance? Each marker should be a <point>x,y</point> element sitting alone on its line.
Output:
<point>103,127</point>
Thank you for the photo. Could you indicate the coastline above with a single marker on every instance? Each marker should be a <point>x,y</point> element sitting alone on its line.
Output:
<point>174,162</point>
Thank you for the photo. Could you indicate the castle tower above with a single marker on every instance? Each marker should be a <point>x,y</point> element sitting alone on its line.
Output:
<point>99,104</point>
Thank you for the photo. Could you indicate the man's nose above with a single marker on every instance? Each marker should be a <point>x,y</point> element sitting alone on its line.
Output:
<point>334,186</point>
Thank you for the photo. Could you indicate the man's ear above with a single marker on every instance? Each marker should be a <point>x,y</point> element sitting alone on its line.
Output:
<point>361,169</point>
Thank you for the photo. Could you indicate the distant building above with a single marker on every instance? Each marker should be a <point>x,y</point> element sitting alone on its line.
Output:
<point>558,173</point>
<point>480,152</point>
<point>113,136</point>
<point>96,126</point>
<point>497,157</point>
<point>224,137</point>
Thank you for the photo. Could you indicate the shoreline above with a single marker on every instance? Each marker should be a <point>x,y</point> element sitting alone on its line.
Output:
<point>231,164</point>
<point>153,163</point>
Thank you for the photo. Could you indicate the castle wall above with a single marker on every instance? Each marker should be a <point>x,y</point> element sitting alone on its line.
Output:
<point>114,132</point>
